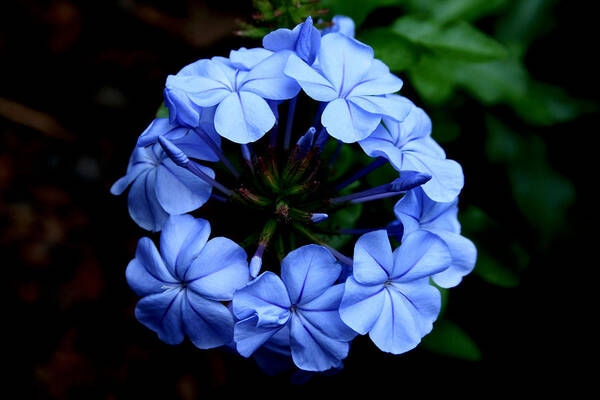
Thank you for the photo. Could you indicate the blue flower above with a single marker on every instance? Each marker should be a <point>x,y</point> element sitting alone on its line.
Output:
<point>182,287</point>
<point>417,211</point>
<point>154,178</point>
<point>342,24</point>
<point>388,294</point>
<point>305,301</point>
<point>304,40</point>
<point>408,146</point>
<point>238,87</point>
<point>355,86</point>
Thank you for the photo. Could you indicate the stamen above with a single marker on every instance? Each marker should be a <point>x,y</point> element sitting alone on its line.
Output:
<point>318,217</point>
<point>213,146</point>
<point>363,172</point>
<point>182,160</point>
<point>289,123</point>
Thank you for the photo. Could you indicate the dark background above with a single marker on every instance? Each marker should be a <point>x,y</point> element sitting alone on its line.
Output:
<point>81,79</point>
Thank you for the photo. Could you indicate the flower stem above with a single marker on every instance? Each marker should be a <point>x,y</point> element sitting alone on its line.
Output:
<point>289,123</point>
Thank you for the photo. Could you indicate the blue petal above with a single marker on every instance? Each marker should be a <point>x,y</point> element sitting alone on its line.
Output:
<point>417,211</point>
<point>247,59</point>
<point>421,255</point>
<point>207,323</point>
<point>143,206</point>
<point>309,41</point>
<point>192,192</point>
<point>178,233</point>
<point>202,91</point>
<point>344,61</point>
<point>249,335</point>
<point>312,82</point>
<point>323,313</point>
<point>464,255</point>
<point>243,117</point>
<point>308,271</point>
<point>161,313</point>
<point>361,305</point>
<point>194,146</point>
<point>347,122</point>
<point>219,270</point>
<point>447,175</point>
<point>147,272</point>
<point>267,297</point>
<point>378,80</point>
<point>405,320</point>
<point>268,80</point>
<point>341,24</point>
<point>373,260</point>
<point>181,109</point>
<point>312,350</point>
<point>392,106</point>
<point>160,127</point>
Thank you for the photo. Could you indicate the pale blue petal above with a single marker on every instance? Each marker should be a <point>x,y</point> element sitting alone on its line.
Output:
<point>447,175</point>
<point>147,272</point>
<point>160,127</point>
<point>207,323</point>
<point>361,305</point>
<point>311,349</point>
<point>161,313</point>
<point>268,80</point>
<point>401,325</point>
<point>181,109</point>
<point>243,117</point>
<point>344,61</point>
<point>347,122</point>
<point>416,125</point>
<point>247,59</point>
<point>392,106</point>
<point>342,24</point>
<point>202,91</point>
<point>464,255</point>
<point>194,146</point>
<point>312,82</point>
<point>248,336</point>
<point>422,299</point>
<point>377,81</point>
<point>177,233</point>
<point>191,191</point>
<point>373,260</point>
<point>308,271</point>
<point>143,205</point>
<point>421,255</point>
<point>323,314</point>
<point>265,296</point>
<point>219,270</point>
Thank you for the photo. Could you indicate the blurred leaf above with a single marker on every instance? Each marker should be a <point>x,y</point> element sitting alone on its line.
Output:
<point>343,218</point>
<point>449,339</point>
<point>492,271</point>
<point>546,105</point>
<point>358,10</point>
<point>162,112</point>
<point>493,82</point>
<point>468,10</point>
<point>458,41</point>
<point>474,220</point>
<point>542,195</point>
<point>345,159</point>
<point>524,21</point>
<point>430,77</point>
<point>395,51</point>
<point>384,174</point>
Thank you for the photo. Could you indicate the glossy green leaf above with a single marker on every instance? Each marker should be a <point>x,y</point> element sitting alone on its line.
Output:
<point>450,340</point>
<point>492,271</point>
<point>394,50</point>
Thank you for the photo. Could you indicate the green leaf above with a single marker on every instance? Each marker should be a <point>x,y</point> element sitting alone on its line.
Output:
<point>546,105</point>
<point>395,51</point>
<point>475,221</point>
<point>463,41</point>
<point>343,218</point>
<point>492,271</point>
<point>162,112</point>
<point>358,10</point>
<point>458,41</point>
<point>468,10</point>
<point>449,339</point>
<point>346,158</point>
<point>431,77</point>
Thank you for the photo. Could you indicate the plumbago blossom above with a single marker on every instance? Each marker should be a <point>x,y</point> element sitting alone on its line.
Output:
<point>252,147</point>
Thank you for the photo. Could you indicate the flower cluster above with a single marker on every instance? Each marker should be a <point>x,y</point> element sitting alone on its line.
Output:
<point>272,189</point>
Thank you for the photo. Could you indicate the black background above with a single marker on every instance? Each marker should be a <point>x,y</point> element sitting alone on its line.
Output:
<point>95,71</point>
